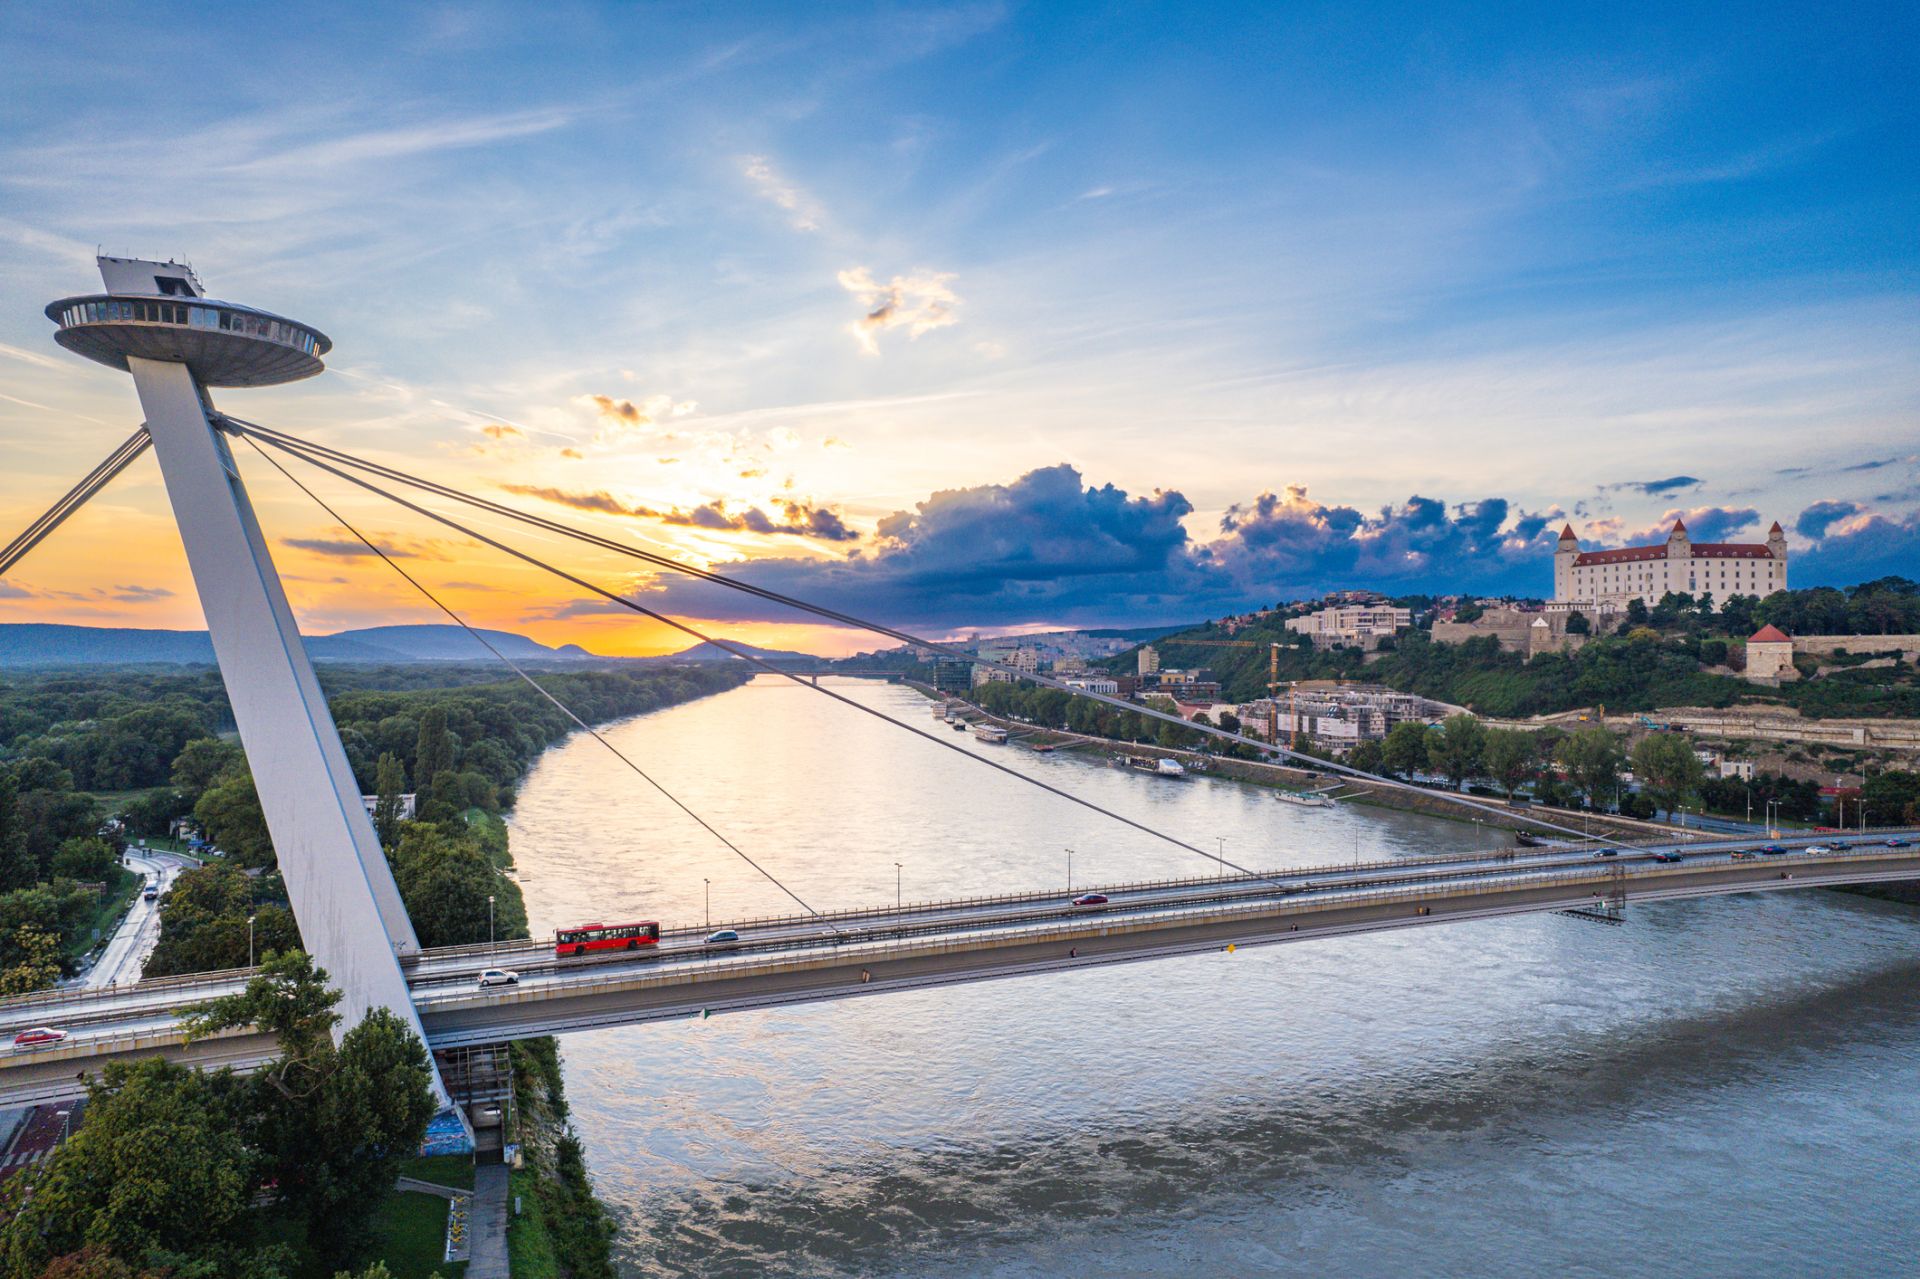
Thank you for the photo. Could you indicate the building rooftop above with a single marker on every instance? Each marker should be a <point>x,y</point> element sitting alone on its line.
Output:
<point>1770,634</point>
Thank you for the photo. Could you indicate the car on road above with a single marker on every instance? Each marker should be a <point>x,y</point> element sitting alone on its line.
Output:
<point>152,894</point>
<point>724,937</point>
<point>1090,899</point>
<point>38,1037</point>
<point>1818,850</point>
<point>1608,852</point>
<point>498,977</point>
<point>1896,843</point>
<point>1741,855</point>
<point>1666,857</point>
<point>1773,850</point>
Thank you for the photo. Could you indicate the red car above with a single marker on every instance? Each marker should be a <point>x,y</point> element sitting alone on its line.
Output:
<point>38,1037</point>
<point>1090,899</point>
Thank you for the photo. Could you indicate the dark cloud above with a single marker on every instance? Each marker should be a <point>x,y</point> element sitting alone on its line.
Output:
<point>1658,488</point>
<point>348,547</point>
<point>1047,548</point>
<point>1704,524</point>
<point>1875,546</point>
<point>802,519</point>
<point>1821,516</point>
<point>8,591</point>
<point>136,594</point>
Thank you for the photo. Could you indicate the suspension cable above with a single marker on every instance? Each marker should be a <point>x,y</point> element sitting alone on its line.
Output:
<point>312,451</point>
<point>532,683</point>
<point>75,498</point>
<point>753,659</point>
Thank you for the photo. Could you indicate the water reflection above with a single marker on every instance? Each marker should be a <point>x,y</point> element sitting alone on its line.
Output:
<point>1493,1097</point>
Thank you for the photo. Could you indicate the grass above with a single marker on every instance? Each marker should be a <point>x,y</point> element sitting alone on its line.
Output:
<point>410,1233</point>
<point>530,1252</point>
<point>441,1170</point>
<point>121,887</point>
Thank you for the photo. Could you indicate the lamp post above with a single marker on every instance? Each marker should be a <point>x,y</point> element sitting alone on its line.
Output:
<point>490,945</point>
<point>896,885</point>
<point>1069,870</point>
<point>249,941</point>
<point>709,912</point>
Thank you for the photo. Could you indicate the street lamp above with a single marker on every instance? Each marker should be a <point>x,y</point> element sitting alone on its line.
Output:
<point>709,889</point>
<point>490,921</point>
<point>1069,870</point>
<point>896,885</point>
<point>249,941</point>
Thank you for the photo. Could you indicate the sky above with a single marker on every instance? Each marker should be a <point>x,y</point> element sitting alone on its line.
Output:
<point>992,316</point>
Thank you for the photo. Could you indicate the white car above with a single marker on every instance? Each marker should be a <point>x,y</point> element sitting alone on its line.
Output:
<point>1818,850</point>
<point>499,977</point>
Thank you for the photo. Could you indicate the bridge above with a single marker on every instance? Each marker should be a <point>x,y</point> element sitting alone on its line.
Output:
<point>155,322</point>
<point>807,958</point>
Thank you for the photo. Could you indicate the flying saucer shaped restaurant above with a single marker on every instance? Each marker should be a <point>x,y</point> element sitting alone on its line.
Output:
<point>223,344</point>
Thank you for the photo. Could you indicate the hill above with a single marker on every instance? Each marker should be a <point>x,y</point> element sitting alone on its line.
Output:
<point>49,644</point>
<point>705,652</point>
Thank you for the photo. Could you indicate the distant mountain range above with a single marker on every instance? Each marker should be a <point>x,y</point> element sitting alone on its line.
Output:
<point>45,644</point>
<point>706,652</point>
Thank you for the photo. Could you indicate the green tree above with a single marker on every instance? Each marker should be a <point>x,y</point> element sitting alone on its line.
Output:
<point>86,857</point>
<point>1405,749</point>
<point>1892,798</point>
<point>1509,758</point>
<point>1368,757</point>
<point>229,811</point>
<point>17,866</point>
<point>1592,760</point>
<point>433,750</point>
<point>1577,624</point>
<point>1456,749</point>
<point>291,1001</point>
<point>200,762</point>
<point>390,782</point>
<point>1668,771</point>
<point>445,882</point>
<point>158,1166</point>
<point>34,960</point>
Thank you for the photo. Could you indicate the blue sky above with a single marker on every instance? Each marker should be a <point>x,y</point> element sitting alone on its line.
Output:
<point>993,314</point>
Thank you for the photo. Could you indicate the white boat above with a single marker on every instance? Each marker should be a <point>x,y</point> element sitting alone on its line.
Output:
<point>1158,767</point>
<point>940,711</point>
<point>1305,798</point>
<point>991,733</point>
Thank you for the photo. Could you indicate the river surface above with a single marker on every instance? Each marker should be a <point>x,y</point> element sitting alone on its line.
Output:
<point>1721,1087</point>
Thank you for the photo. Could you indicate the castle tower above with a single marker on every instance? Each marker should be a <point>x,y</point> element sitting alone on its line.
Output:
<point>1679,545</point>
<point>155,322</point>
<point>1565,552</point>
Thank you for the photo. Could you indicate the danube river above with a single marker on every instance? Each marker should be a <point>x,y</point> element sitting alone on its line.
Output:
<point>1721,1087</point>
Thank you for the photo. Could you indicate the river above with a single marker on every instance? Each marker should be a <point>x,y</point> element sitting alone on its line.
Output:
<point>1721,1087</point>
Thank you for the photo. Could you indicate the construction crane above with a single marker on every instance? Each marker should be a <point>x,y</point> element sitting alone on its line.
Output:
<point>1273,684</point>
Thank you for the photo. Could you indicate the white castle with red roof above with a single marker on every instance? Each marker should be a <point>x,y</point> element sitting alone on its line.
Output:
<point>1720,569</point>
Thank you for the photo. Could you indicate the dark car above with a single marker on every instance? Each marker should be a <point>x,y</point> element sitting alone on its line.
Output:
<point>1773,850</point>
<point>1090,899</point>
<point>1896,843</point>
<point>1608,852</point>
<point>1666,857</point>
<point>1741,855</point>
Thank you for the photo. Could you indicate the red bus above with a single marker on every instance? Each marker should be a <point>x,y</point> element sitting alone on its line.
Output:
<point>578,941</point>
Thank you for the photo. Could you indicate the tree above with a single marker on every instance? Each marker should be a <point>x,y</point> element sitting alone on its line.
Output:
<point>291,1001</point>
<point>445,883</point>
<point>1892,798</point>
<point>1455,750</point>
<point>1405,749</point>
<point>1509,758</point>
<point>1637,614</point>
<point>35,961</point>
<point>1592,759</point>
<point>200,762</point>
<point>17,867</point>
<point>1577,624</point>
<point>390,780</point>
<point>1368,757</point>
<point>158,1165</point>
<point>433,750</point>
<point>85,857</point>
<point>1668,771</point>
<point>229,811</point>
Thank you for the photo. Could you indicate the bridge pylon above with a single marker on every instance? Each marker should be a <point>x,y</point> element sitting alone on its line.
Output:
<point>156,322</point>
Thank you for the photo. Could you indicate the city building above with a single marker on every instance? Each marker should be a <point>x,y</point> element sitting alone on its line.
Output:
<point>1528,632</point>
<point>1149,660</point>
<point>1681,565</point>
<point>952,675</point>
<point>1352,625</point>
<point>1106,685</point>
<point>1770,655</point>
<point>1327,713</point>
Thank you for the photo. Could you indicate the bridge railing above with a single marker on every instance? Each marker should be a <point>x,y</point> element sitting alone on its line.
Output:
<point>1589,879</point>
<point>859,913</point>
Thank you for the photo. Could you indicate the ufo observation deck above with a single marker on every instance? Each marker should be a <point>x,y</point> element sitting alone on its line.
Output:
<point>221,343</point>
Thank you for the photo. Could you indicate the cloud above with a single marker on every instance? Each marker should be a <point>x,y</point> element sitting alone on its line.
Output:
<point>140,594</point>
<point>919,303</point>
<point>801,519</point>
<point>805,214</point>
<point>1821,516</point>
<point>1659,488</point>
<point>1704,524</point>
<point>499,432</point>
<point>346,546</point>
<point>1860,549</point>
<point>1048,548</point>
<point>8,591</point>
<point>625,416</point>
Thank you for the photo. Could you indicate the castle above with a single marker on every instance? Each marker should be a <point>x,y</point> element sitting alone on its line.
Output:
<point>1719,569</point>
